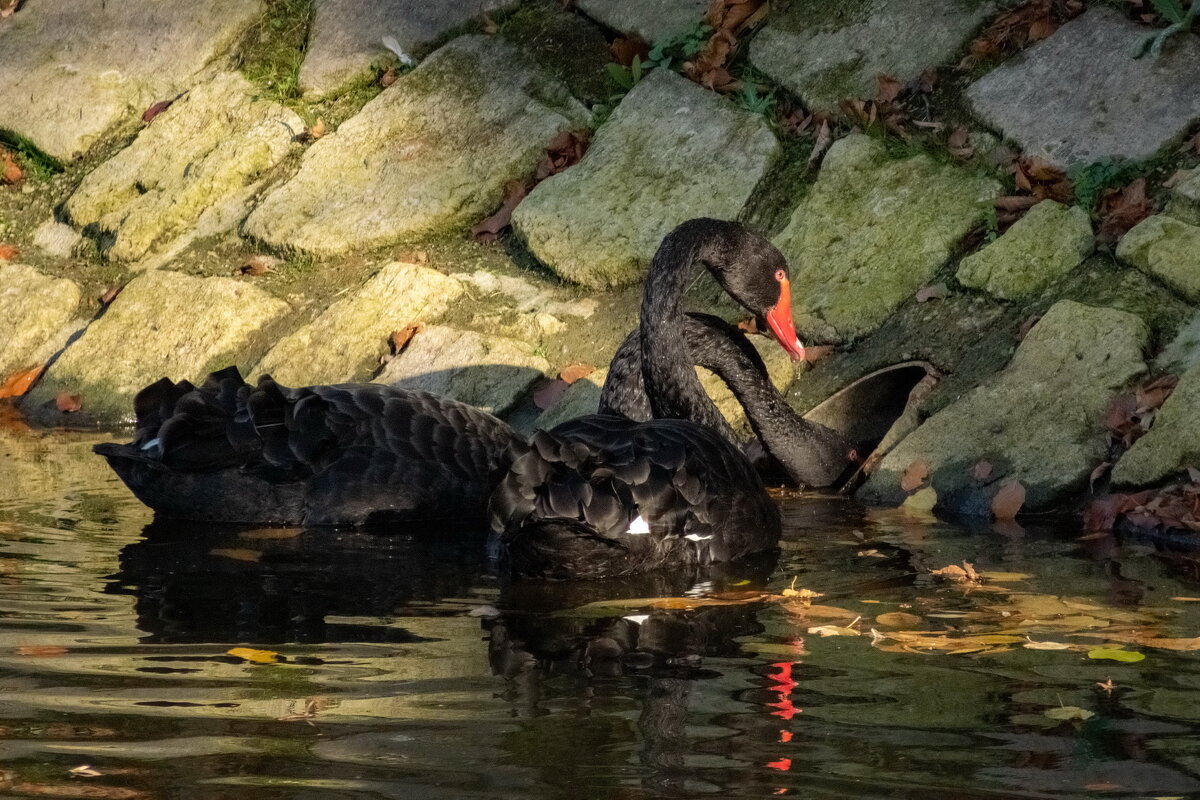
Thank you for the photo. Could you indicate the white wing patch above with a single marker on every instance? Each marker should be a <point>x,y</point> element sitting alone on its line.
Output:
<point>639,526</point>
<point>637,619</point>
<point>695,537</point>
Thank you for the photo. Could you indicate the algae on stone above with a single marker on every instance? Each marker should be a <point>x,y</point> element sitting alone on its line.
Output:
<point>1079,96</point>
<point>1183,351</point>
<point>1172,445</point>
<point>431,153</point>
<point>162,324</point>
<point>347,35</point>
<point>207,147</point>
<point>34,308</point>
<point>1038,421</point>
<point>1168,249</point>
<point>70,71</point>
<point>491,372</point>
<point>873,230</point>
<point>827,52</point>
<point>345,342</point>
<point>1045,244</point>
<point>652,20</point>
<point>1184,202</point>
<point>670,151</point>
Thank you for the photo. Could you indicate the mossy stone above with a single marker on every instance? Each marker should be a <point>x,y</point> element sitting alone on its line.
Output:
<point>207,147</point>
<point>35,308</point>
<point>346,340</point>
<point>1038,421</point>
<point>670,151</point>
<point>1168,249</point>
<point>1045,244</point>
<point>1172,445</point>
<point>872,230</point>
<point>491,372</point>
<point>1184,202</point>
<point>430,154</point>
<point>162,324</point>
<point>651,20</point>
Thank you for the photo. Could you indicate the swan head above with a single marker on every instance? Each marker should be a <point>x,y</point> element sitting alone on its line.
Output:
<point>755,274</point>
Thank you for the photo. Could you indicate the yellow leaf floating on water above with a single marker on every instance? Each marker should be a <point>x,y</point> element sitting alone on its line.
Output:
<point>237,553</point>
<point>256,656</point>
<point>922,501</point>
<point>833,630</point>
<point>1113,654</point>
<point>1005,577</point>
<point>898,619</point>
<point>1032,645</point>
<point>1069,712</point>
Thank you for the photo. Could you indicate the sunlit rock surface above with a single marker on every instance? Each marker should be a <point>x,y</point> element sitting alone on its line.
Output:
<point>430,154</point>
<point>162,324</point>
<point>872,230</point>
<point>347,35</point>
<point>35,311</point>
<point>491,372</point>
<point>1168,249</point>
<point>828,52</point>
<point>670,151</point>
<point>1038,421</point>
<point>72,69</point>
<point>209,147</point>
<point>346,340</point>
<point>1184,201</point>
<point>1080,96</point>
<point>1172,445</point>
<point>1045,244</point>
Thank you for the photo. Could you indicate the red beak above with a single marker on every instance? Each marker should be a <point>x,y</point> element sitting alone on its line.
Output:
<point>780,321</point>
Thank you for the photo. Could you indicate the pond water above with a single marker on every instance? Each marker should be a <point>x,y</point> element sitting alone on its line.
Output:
<point>397,667</point>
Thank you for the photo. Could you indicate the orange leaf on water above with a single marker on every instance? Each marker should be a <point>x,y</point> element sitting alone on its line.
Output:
<point>68,403</point>
<point>41,650</point>
<point>18,383</point>
<point>574,372</point>
<point>1008,500</point>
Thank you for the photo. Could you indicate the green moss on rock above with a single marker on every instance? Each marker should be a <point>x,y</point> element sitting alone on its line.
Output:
<point>1045,244</point>
<point>1172,445</point>
<point>1168,249</point>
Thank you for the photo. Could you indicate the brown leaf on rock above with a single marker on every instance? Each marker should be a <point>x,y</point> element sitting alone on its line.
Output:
<point>153,111</point>
<point>317,129</point>
<point>257,265</point>
<point>400,338</point>
<point>574,372</point>
<point>1008,501</point>
<point>68,403</point>
<point>18,383</point>
<point>489,25</point>
<point>10,172</point>
<point>887,88</point>
<point>981,471</point>
<point>564,150</point>
<point>959,143</point>
<point>1099,472</point>
<point>1016,202</point>
<point>816,352</point>
<point>489,229</point>
<point>388,77</point>
<point>1027,325</point>
<point>8,252</point>
<point>110,294</point>
<point>1119,209</point>
<point>624,48</point>
<point>824,140</point>
<point>936,291</point>
<point>1019,27</point>
<point>1155,393</point>
<point>9,7</point>
<point>914,476</point>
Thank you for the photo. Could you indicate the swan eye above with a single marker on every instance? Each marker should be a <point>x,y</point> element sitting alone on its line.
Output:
<point>780,275</point>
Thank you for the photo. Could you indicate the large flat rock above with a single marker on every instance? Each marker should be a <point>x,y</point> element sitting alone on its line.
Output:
<point>872,231</point>
<point>1038,421</point>
<point>206,149</point>
<point>430,154</point>
<point>1080,96</point>
<point>491,372</point>
<point>72,69</point>
<point>34,311</point>
<point>1041,247</point>
<point>652,20</point>
<point>162,324</point>
<point>1172,445</point>
<point>670,151</point>
<point>827,52</point>
<point>347,35</point>
<point>345,341</point>
<point>1168,249</point>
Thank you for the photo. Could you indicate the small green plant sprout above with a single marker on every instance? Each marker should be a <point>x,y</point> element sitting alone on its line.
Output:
<point>751,100</point>
<point>627,77</point>
<point>1181,22</point>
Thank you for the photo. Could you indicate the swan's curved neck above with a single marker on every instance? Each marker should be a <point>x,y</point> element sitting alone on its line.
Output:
<point>667,365</point>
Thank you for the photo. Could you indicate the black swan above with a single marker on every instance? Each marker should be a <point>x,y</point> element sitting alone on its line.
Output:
<point>354,454</point>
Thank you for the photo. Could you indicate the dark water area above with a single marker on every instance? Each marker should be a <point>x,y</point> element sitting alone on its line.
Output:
<point>398,667</point>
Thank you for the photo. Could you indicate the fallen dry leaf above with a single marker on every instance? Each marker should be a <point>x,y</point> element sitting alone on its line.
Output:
<point>1008,501</point>
<point>898,619</point>
<point>936,291</point>
<point>625,48</point>
<point>9,7</point>
<point>40,650</point>
<point>255,656</point>
<point>317,129</point>
<point>10,172</point>
<point>914,476</point>
<point>85,771</point>
<point>18,383</point>
<point>8,252</point>
<point>981,471</point>
<point>489,229</point>
<point>564,150</point>
<point>68,403</point>
<point>388,77</point>
<point>816,352</point>
<point>959,143</point>
<point>400,338</point>
<point>257,265</point>
<point>490,26</point>
<point>153,111</point>
<point>887,88</point>
<point>574,372</point>
<point>823,141</point>
<point>956,574</point>
<point>1119,209</point>
<point>110,294</point>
